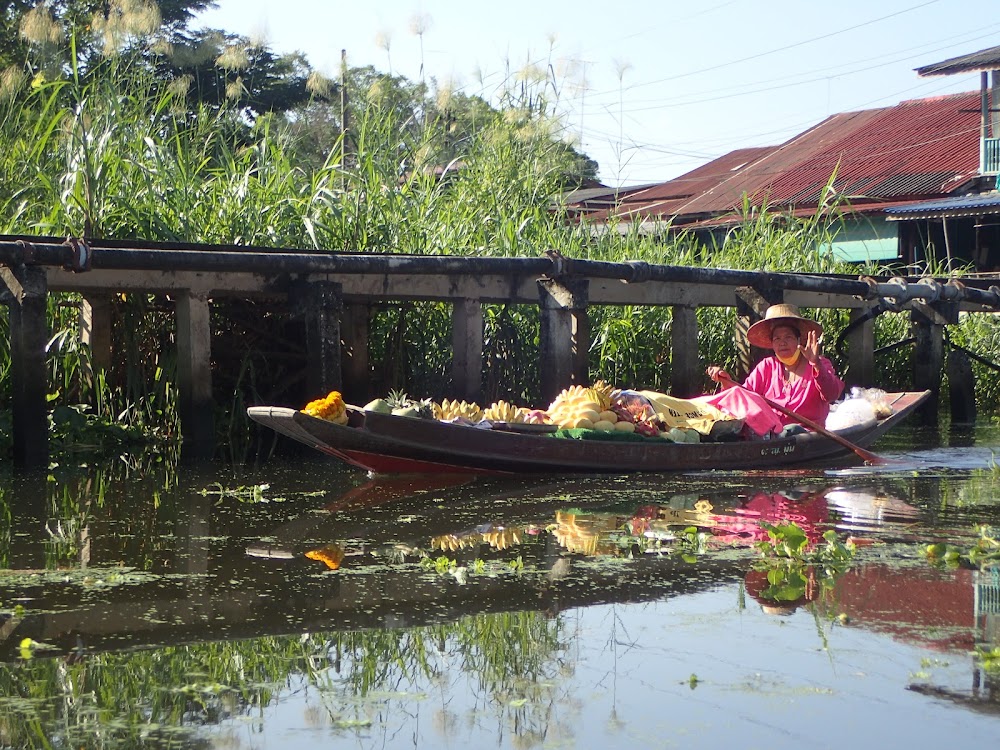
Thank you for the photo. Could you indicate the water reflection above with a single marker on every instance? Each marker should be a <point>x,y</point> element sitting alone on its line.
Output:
<point>346,588</point>
<point>241,561</point>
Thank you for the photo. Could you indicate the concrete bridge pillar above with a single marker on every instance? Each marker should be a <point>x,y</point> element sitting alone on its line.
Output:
<point>687,376</point>
<point>26,297</point>
<point>564,335</point>
<point>194,375</point>
<point>323,306</point>
<point>467,349</point>
<point>355,335</point>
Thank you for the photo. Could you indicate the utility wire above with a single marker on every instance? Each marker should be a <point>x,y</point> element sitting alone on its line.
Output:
<point>820,74</point>
<point>766,53</point>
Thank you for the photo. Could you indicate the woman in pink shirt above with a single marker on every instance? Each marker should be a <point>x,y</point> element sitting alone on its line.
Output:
<point>795,377</point>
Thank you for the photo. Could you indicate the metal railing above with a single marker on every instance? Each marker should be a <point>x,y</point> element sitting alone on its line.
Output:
<point>987,592</point>
<point>989,162</point>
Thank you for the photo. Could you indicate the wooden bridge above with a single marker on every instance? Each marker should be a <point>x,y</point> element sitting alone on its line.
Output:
<point>334,293</point>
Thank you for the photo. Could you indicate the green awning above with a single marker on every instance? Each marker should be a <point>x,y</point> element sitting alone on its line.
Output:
<point>867,239</point>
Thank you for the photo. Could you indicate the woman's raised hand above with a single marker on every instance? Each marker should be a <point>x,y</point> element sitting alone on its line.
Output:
<point>810,349</point>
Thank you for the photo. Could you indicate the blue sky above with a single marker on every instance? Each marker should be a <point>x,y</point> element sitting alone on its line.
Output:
<point>648,89</point>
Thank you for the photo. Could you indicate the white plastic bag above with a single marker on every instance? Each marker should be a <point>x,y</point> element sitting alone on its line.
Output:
<point>850,413</point>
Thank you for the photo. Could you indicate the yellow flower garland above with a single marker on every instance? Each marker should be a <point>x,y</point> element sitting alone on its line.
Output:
<point>331,407</point>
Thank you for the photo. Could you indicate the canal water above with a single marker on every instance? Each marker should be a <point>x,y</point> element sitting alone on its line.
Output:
<point>301,602</point>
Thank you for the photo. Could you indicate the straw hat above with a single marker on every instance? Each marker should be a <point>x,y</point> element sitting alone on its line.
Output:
<point>759,334</point>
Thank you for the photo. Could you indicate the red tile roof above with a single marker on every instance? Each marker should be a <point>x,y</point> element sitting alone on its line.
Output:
<point>918,149</point>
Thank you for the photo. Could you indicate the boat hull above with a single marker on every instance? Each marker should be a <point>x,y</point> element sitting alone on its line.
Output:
<point>384,443</point>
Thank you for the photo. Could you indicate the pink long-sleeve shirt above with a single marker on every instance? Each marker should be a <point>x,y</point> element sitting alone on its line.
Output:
<point>810,395</point>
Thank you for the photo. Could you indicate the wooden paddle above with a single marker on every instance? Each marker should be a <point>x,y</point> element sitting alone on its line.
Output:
<point>866,456</point>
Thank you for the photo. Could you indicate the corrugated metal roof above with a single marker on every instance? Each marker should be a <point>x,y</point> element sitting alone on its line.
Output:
<point>923,148</point>
<point>959,205</point>
<point>974,62</point>
<point>734,217</point>
<point>589,202</point>
<point>663,198</point>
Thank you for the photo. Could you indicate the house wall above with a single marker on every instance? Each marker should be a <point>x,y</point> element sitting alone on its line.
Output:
<point>865,238</point>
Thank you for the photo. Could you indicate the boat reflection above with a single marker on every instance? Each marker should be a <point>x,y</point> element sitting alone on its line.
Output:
<point>555,526</point>
<point>463,515</point>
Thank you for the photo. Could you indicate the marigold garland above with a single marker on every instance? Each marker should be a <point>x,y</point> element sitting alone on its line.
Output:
<point>331,407</point>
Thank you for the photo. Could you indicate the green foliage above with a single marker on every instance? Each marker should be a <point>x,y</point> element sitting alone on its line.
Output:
<point>984,552</point>
<point>798,570</point>
<point>785,584</point>
<point>789,541</point>
<point>989,658</point>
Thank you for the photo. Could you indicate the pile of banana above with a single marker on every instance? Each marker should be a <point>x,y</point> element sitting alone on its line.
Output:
<point>586,534</point>
<point>576,407</point>
<point>501,411</point>
<point>448,410</point>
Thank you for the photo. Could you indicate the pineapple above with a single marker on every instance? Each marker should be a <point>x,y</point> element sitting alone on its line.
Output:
<point>404,406</point>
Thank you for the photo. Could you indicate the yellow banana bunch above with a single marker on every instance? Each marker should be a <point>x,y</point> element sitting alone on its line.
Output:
<point>453,409</point>
<point>451,543</point>
<point>502,538</point>
<point>501,411</point>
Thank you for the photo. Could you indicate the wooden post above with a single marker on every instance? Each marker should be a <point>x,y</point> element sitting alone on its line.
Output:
<point>687,376</point>
<point>194,375</point>
<point>467,348</point>
<point>961,388</point>
<point>861,351</point>
<point>355,331</point>
<point>95,332</point>
<point>564,335</point>
<point>751,304</point>
<point>322,312</point>
<point>27,292</point>
<point>928,358</point>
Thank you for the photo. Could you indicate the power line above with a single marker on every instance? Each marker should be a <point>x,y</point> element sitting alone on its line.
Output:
<point>825,74</point>
<point>782,49</point>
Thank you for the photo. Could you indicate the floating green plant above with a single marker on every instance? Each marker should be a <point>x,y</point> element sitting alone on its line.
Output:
<point>985,551</point>
<point>789,540</point>
<point>990,659</point>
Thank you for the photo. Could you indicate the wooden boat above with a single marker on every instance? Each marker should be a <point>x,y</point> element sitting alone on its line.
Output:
<point>383,444</point>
